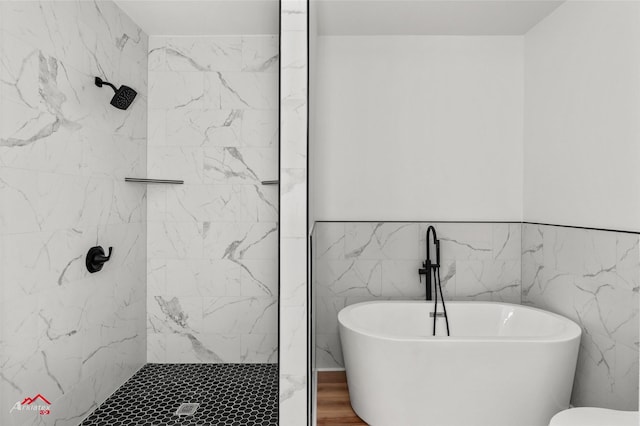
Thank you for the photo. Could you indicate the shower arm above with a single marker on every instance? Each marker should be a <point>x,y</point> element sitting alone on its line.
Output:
<point>99,82</point>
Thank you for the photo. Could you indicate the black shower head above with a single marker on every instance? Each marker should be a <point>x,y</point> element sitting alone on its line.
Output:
<point>123,97</point>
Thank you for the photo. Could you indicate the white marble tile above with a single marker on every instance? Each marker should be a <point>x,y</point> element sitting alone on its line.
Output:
<point>203,53</point>
<point>202,348</point>
<point>156,202</point>
<point>461,241</point>
<point>156,127</point>
<point>242,240</point>
<point>115,157</point>
<point>328,351</point>
<point>157,59</point>
<point>203,277</point>
<point>293,193</point>
<point>156,348</point>
<point>222,203</point>
<point>85,36</point>
<point>260,54</point>
<point>175,240</point>
<point>293,135</point>
<point>592,278</point>
<point>260,128</point>
<point>293,340</point>
<point>345,278</point>
<point>259,348</point>
<point>204,127</point>
<point>258,277</point>
<point>497,281</point>
<point>127,204</point>
<point>244,315</point>
<point>292,251</point>
<point>245,90</point>
<point>174,314</point>
<point>329,240</point>
<point>594,379</point>
<point>173,90</point>
<point>579,251</point>
<point>217,126</point>
<point>294,19</point>
<point>180,163</point>
<point>63,153</point>
<point>381,241</point>
<point>628,261</point>
<point>16,188</point>
<point>294,48</point>
<point>20,318</point>
<point>43,260</point>
<point>400,279</point>
<point>293,400</point>
<point>507,241</point>
<point>611,311</point>
<point>231,165</point>
<point>532,263</point>
<point>626,377</point>
<point>294,83</point>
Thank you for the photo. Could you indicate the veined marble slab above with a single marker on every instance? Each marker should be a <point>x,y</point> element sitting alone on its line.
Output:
<point>71,336</point>
<point>213,121</point>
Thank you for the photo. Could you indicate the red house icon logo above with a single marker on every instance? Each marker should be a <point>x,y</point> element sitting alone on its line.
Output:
<point>29,401</point>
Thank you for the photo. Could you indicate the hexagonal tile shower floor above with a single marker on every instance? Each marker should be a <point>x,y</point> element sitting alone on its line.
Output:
<point>228,394</point>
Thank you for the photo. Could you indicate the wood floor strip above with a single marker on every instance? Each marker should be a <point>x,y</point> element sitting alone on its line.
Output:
<point>334,408</point>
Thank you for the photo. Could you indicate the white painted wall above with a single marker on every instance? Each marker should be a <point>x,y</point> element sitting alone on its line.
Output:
<point>582,116</point>
<point>418,128</point>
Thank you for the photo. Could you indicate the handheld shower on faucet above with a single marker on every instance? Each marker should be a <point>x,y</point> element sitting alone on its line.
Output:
<point>432,269</point>
<point>428,265</point>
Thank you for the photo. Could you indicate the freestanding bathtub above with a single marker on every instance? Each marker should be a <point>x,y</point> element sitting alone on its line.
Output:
<point>503,365</point>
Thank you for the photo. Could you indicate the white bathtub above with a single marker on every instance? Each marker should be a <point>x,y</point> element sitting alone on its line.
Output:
<point>504,365</point>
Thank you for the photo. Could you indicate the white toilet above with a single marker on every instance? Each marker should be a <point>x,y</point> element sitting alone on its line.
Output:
<point>589,416</point>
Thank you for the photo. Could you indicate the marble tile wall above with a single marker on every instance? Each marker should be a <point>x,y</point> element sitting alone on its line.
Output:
<point>589,276</point>
<point>592,277</point>
<point>293,215</point>
<point>71,336</point>
<point>213,242</point>
<point>357,262</point>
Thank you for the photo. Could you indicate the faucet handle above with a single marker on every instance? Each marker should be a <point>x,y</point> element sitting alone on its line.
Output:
<point>109,255</point>
<point>421,272</point>
<point>96,258</point>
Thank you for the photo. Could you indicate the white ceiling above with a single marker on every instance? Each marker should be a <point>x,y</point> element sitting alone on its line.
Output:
<point>341,17</point>
<point>203,17</point>
<point>430,17</point>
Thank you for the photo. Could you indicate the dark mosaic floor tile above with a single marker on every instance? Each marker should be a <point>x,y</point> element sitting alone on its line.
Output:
<point>228,394</point>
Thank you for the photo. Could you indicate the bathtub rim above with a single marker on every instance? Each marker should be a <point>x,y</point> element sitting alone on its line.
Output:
<point>570,332</point>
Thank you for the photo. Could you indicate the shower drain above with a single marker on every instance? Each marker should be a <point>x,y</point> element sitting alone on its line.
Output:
<point>187,409</point>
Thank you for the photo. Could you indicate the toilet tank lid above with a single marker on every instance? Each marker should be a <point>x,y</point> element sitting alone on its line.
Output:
<point>590,416</point>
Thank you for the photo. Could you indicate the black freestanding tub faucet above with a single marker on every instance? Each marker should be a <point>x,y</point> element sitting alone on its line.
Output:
<point>428,266</point>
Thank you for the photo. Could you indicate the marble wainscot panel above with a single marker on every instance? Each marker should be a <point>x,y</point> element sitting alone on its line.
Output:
<point>592,277</point>
<point>357,262</point>
<point>68,335</point>
<point>294,215</point>
<point>213,242</point>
